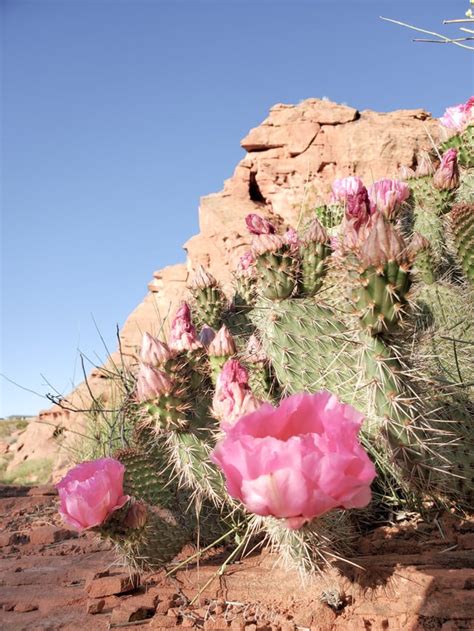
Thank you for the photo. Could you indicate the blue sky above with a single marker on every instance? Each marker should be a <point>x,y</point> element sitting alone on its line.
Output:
<point>117,116</point>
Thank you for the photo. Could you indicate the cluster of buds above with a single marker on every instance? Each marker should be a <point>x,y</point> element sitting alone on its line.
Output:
<point>163,387</point>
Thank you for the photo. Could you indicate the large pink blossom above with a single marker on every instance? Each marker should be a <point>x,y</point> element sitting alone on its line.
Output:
<point>387,196</point>
<point>90,492</point>
<point>233,397</point>
<point>183,336</point>
<point>297,461</point>
<point>458,117</point>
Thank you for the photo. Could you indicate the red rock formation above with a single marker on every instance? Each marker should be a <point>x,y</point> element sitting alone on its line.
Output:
<point>292,159</point>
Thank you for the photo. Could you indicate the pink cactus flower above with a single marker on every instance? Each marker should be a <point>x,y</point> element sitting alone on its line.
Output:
<point>446,177</point>
<point>152,383</point>
<point>154,352</point>
<point>387,196</point>
<point>351,192</point>
<point>344,187</point>
<point>297,461</point>
<point>458,117</point>
<point>183,334</point>
<point>233,397</point>
<point>258,225</point>
<point>90,492</point>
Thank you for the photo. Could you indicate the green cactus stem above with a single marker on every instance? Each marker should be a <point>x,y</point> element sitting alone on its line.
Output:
<point>462,227</point>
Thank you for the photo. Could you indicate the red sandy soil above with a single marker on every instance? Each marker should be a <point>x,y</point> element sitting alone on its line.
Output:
<point>416,576</point>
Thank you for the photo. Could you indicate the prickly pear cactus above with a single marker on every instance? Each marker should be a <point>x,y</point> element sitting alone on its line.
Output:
<point>373,301</point>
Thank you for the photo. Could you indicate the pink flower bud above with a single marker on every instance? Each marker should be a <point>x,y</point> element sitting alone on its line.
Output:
<point>297,461</point>
<point>206,335</point>
<point>203,279</point>
<point>223,344</point>
<point>425,166</point>
<point>137,516</point>
<point>152,383</point>
<point>316,233</point>
<point>382,244</point>
<point>258,225</point>
<point>358,207</point>
<point>154,352</point>
<point>233,397</point>
<point>183,334</point>
<point>90,492</point>
<point>387,196</point>
<point>446,177</point>
<point>458,117</point>
<point>263,243</point>
<point>406,173</point>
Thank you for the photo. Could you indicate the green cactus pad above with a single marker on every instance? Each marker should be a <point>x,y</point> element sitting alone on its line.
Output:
<point>380,297</point>
<point>313,267</point>
<point>277,274</point>
<point>462,226</point>
<point>209,305</point>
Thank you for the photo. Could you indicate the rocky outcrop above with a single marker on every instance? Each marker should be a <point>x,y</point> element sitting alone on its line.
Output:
<point>292,159</point>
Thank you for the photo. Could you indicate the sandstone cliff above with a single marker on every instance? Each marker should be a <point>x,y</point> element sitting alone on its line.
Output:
<point>292,159</point>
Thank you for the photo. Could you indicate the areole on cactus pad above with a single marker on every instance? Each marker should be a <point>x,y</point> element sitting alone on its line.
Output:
<point>344,353</point>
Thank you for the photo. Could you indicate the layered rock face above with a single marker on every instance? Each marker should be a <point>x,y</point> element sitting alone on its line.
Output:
<point>292,159</point>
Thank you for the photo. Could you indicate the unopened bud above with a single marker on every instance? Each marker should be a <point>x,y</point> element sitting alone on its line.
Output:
<point>203,279</point>
<point>263,243</point>
<point>136,516</point>
<point>152,383</point>
<point>446,177</point>
<point>183,334</point>
<point>383,244</point>
<point>258,225</point>
<point>316,233</point>
<point>223,344</point>
<point>153,352</point>
<point>424,166</point>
